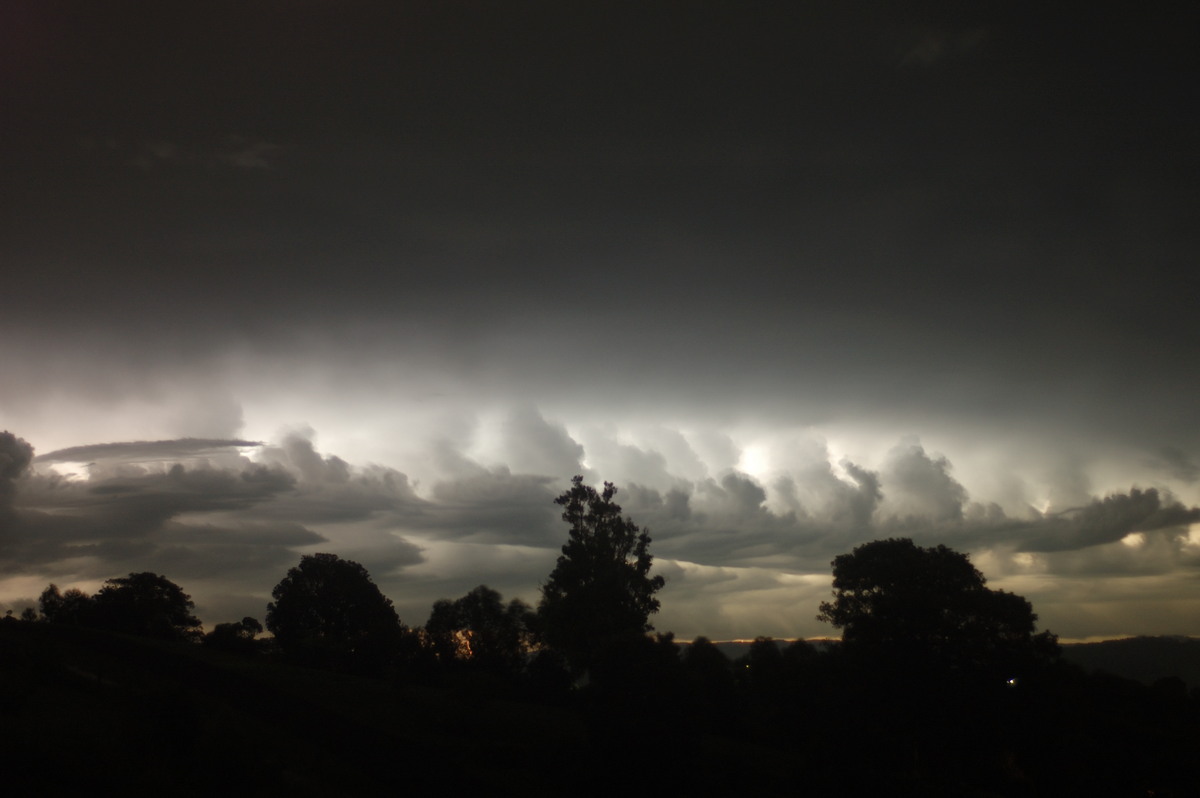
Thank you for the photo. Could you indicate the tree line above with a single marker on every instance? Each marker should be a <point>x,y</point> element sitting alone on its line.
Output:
<point>327,611</point>
<point>891,598</point>
<point>943,685</point>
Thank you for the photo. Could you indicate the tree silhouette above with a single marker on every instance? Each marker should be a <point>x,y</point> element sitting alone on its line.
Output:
<point>145,604</point>
<point>72,608</point>
<point>236,637</point>
<point>708,674</point>
<point>893,597</point>
<point>328,612</point>
<point>601,588</point>
<point>480,629</point>
<point>762,668</point>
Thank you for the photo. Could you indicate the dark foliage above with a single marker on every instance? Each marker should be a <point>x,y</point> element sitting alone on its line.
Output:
<point>235,637</point>
<point>893,598</point>
<point>601,590</point>
<point>481,631</point>
<point>91,712</point>
<point>548,678</point>
<point>146,604</point>
<point>651,721</point>
<point>72,608</point>
<point>327,612</point>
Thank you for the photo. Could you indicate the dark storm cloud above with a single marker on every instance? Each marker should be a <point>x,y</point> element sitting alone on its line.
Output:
<point>719,522</point>
<point>331,490</point>
<point>1177,463</point>
<point>1108,520</point>
<point>731,533</point>
<point>142,502</point>
<point>663,234</point>
<point>116,521</point>
<point>832,207</point>
<point>15,456</point>
<point>250,534</point>
<point>926,46</point>
<point>819,514</point>
<point>1159,554</point>
<point>232,151</point>
<point>497,506</point>
<point>90,547</point>
<point>239,522</point>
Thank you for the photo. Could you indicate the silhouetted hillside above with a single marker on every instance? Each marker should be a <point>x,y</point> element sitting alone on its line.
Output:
<point>141,716</point>
<point>736,649</point>
<point>114,714</point>
<point>1145,659</point>
<point>111,714</point>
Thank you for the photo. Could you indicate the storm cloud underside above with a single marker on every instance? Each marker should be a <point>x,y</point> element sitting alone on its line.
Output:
<point>381,279</point>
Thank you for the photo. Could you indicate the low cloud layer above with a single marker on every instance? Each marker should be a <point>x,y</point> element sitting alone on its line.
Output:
<point>744,554</point>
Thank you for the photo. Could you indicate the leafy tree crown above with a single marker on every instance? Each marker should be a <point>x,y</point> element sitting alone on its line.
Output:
<point>482,629</point>
<point>146,604</point>
<point>894,595</point>
<point>327,604</point>
<point>600,588</point>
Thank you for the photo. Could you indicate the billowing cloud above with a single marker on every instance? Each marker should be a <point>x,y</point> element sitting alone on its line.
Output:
<point>232,513</point>
<point>1109,520</point>
<point>1176,462</point>
<point>533,445</point>
<point>201,510</point>
<point>490,275</point>
<point>495,505</point>
<point>920,486</point>
<point>15,456</point>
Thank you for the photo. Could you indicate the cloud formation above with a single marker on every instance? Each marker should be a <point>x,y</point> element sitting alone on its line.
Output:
<point>734,546</point>
<point>146,450</point>
<point>697,270</point>
<point>15,457</point>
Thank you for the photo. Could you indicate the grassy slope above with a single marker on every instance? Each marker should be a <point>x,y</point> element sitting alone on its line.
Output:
<point>84,709</point>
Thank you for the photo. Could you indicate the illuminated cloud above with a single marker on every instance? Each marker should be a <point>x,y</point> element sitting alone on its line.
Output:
<point>793,279</point>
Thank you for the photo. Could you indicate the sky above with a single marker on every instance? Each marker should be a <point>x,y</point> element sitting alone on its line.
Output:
<point>380,278</point>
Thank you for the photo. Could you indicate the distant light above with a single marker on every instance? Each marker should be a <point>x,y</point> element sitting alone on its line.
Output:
<point>1012,682</point>
<point>754,461</point>
<point>70,469</point>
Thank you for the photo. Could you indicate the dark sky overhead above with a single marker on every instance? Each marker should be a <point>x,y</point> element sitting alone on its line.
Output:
<point>379,278</point>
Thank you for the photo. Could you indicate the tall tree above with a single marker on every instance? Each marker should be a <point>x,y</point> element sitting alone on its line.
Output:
<point>601,589</point>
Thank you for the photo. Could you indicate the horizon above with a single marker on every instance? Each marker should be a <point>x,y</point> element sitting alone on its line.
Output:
<point>198,508</point>
<point>380,280</point>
